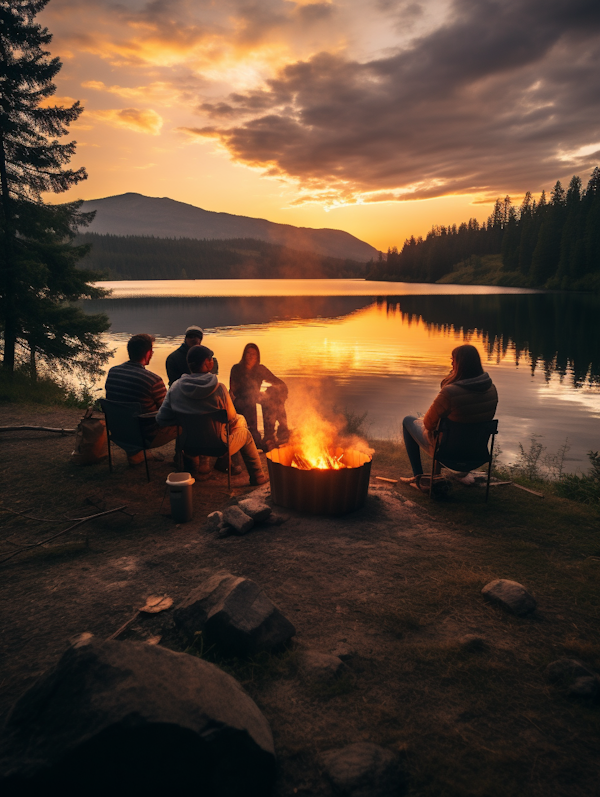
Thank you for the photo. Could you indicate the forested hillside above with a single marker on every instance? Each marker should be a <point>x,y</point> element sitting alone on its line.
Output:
<point>552,243</point>
<point>138,258</point>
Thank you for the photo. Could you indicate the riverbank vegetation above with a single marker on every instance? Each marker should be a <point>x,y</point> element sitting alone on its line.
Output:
<point>545,243</point>
<point>135,257</point>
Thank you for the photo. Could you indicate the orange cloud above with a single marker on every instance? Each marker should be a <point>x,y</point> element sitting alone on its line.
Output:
<point>140,121</point>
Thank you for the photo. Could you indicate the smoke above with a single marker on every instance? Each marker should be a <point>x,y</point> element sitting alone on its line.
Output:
<point>313,417</point>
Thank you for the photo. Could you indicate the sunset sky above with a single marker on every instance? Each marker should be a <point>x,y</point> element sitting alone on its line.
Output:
<point>379,118</point>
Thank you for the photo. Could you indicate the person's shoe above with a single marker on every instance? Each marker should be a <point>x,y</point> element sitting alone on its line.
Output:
<point>256,480</point>
<point>137,459</point>
<point>269,444</point>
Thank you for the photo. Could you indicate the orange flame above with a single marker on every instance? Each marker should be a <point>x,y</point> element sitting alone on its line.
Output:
<point>314,445</point>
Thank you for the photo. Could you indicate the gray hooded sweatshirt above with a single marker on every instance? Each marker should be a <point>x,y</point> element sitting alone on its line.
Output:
<point>196,394</point>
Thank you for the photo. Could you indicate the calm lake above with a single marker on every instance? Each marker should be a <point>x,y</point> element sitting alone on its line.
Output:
<point>383,347</point>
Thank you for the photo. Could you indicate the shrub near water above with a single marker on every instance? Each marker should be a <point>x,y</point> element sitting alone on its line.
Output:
<point>584,488</point>
<point>21,390</point>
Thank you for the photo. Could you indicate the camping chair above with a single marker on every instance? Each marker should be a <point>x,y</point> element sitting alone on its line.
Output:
<point>463,447</point>
<point>198,435</point>
<point>125,427</point>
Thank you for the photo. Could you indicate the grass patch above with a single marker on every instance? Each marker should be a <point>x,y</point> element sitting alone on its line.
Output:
<point>19,389</point>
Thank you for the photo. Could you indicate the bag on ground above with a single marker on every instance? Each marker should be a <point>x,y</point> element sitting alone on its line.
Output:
<point>91,445</point>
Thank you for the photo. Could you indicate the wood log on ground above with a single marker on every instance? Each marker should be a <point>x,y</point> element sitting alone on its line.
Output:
<point>36,429</point>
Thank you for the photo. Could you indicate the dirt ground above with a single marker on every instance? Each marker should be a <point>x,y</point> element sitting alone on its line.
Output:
<point>394,586</point>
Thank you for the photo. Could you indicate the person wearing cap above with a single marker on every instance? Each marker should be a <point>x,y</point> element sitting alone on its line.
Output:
<point>200,392</point>
<point>177,362</point>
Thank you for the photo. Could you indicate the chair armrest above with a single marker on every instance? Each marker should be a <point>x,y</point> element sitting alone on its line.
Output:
<point>148,414</point>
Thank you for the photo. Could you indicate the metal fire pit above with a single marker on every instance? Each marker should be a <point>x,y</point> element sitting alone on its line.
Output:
<point>319,492</point>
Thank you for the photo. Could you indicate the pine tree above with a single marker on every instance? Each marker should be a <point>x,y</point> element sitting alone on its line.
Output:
<point>39,277</point>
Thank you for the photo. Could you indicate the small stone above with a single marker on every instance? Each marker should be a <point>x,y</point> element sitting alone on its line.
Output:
<point>585,687</point>
<point>364,770</point>
<point>321,666</point>
<point>214,521</point>
<point>238,520</point>
<point>510,595</point>
<point>343,652</point>
<point>473,643</point>
<point>277,518</point>
<point>255,508</point>
<point>565,671</point>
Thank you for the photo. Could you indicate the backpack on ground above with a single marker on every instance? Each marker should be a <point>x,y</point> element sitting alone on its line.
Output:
<point>91,444</point>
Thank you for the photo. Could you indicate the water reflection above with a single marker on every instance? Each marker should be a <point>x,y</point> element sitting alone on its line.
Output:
<point>168,317</point>
<point>387,355</point>
<point>560,332</point>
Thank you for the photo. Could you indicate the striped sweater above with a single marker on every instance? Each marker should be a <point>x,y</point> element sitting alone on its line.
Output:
<point>132,382</point>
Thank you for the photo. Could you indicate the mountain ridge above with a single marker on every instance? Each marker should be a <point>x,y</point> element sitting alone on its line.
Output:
<point>162,217</point>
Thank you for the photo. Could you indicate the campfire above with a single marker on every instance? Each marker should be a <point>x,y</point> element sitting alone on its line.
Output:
<point>315,474</point>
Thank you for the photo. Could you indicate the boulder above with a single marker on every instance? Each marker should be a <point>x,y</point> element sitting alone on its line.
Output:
<point>234,613</point>
<point>320,666</point>
<point>510,595</point>
<point>240,522</point>
<point>364,770</point>
<point>564,671</point>
<point>131,718</point>
<point>255,508</point>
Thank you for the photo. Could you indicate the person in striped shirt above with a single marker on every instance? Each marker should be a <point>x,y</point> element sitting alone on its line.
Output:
<point>132,382</point>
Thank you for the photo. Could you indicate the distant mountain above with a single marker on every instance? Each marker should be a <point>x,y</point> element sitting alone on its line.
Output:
<point>136,214</point>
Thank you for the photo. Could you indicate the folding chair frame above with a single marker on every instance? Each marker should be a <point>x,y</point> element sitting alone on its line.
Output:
<point>436,433</point>
<point>179,448</point>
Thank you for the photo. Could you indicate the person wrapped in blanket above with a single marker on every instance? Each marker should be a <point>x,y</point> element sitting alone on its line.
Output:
<point>245,383</point>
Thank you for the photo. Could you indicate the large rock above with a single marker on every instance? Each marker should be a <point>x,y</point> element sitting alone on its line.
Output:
<point>364,770</point>
<point>510,595</point>
<point>130,718</point>
<point>234,613</point>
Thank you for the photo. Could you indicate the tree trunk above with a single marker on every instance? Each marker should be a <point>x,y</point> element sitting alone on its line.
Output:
<point>32,364</point>
<point>10,331</point>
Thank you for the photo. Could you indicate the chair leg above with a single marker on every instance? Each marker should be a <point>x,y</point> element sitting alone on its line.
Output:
<point>487,488</point>
<point>432,475</point>
<point>179,448</point>
<point>146,462</point>
<point>228,462</point>
<point>109,454</point>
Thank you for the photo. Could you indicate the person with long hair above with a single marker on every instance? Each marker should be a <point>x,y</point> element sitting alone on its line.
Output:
<point>467,395</point>
<point>245,383</point>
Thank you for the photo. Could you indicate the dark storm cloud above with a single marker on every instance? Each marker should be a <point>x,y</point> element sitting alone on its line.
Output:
<point>493,100</point>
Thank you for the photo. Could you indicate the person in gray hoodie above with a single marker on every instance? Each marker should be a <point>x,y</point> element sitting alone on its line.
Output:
<point>200,392</point>
<point>467,395</point>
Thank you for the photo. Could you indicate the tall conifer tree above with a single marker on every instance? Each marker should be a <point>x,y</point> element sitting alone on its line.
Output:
<point>39,278</point>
